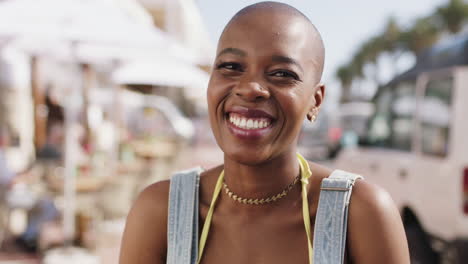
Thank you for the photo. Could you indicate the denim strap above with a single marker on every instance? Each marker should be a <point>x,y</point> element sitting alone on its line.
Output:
<point>182,229</point>
<point>332,215</point>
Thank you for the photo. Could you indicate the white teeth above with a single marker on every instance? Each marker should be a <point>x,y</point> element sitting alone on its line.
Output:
<point>249,123</point>
<point>242,122</point>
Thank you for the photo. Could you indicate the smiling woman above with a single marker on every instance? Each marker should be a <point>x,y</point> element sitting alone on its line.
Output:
<point>265,204</point>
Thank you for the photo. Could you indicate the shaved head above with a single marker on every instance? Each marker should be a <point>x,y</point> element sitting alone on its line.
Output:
<point>284,12</point>
<point>271,6</point>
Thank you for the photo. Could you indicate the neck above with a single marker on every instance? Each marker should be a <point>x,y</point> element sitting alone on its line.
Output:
<point>262,180</point>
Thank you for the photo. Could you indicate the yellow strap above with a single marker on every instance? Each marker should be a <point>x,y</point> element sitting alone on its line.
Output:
<point>207,224</point>
<point>305,175</point>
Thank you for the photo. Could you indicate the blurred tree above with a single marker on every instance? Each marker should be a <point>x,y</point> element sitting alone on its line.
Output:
<point>395,41</point>
<point>390,36</point>
<point>345,76</point>
<point>368,55</point>
<point>453,15</point>
<point>424,33</point>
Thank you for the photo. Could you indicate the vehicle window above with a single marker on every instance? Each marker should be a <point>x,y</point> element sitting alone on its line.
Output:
<point>402,111</point>
<point>379,126</point>
<point>391,126</point>
<point>435,117</point>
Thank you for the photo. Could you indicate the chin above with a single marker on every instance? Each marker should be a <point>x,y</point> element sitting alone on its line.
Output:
<point>249,157</point>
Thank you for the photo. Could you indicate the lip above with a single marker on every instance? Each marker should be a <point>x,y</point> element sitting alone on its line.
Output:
<point>250,112</point>
<point>249,134</point>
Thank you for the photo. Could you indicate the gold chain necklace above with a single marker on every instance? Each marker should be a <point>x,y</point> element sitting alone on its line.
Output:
<point>258,201</point>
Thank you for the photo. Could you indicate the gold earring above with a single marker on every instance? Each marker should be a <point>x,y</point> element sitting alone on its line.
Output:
<point>313,117</point>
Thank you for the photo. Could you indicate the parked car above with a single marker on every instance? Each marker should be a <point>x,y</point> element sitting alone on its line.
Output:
<point>416,147</point>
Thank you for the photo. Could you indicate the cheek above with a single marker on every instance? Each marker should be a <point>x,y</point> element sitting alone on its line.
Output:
<point>211,100</point>
<point>214,94</point>
<point>296,106</point>
<point>218,90</point>
<point>211,95</point>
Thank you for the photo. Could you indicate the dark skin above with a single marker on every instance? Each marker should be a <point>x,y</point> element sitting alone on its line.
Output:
<point>270,60</point>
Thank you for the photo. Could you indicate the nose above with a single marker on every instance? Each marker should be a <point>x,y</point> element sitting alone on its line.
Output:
<point>251,91</point>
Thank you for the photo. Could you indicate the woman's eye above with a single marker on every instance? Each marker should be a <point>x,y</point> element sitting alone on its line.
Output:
<point>284,74</point>
<point>232,66</point>
<point>281,74</point>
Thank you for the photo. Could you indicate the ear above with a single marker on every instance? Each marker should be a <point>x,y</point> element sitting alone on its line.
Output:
<point>319,95</point>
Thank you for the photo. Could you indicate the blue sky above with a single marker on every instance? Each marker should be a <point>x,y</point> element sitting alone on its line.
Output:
<point>344,24</point>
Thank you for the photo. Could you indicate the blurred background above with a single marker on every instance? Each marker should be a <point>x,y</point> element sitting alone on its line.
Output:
<point>100,98</point>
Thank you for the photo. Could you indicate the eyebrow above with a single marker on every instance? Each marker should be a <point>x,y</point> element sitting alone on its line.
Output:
<point>275,58</point>
<point>284,59</point>
<point>234,51</point>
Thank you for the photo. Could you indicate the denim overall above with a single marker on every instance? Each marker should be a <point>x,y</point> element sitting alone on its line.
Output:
<point>330,225</point>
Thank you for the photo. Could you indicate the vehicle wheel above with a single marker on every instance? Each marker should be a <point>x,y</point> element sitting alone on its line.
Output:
<point>420,248</point>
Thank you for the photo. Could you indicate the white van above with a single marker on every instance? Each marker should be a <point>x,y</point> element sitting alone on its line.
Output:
<point>416,147</point>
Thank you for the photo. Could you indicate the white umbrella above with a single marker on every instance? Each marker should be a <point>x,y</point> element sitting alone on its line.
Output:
<point>31,22</point>
<point>95,53</point>
<point>75,23</point>
<point>164,73</point>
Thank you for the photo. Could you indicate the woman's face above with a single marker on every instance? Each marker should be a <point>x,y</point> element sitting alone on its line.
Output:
<point>264,82</point>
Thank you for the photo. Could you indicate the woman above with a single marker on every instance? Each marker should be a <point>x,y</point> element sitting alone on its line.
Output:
<point>266,80</point>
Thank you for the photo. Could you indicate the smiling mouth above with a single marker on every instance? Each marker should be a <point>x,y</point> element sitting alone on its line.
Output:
<point>248,123</point>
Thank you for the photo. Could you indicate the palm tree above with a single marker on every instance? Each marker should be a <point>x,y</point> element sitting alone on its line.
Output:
<point>368,53</point>
<point>345,75</point>
<point>453,15</point>
<point>390,36</point>
<point>424,33</point>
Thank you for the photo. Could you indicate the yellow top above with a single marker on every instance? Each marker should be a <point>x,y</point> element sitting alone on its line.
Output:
<point>305,175</point>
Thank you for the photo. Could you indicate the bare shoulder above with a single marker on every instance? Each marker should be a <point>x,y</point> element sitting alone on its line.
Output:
<point>368,198</point>
<point>145,239</point>
<point>376,233</point>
